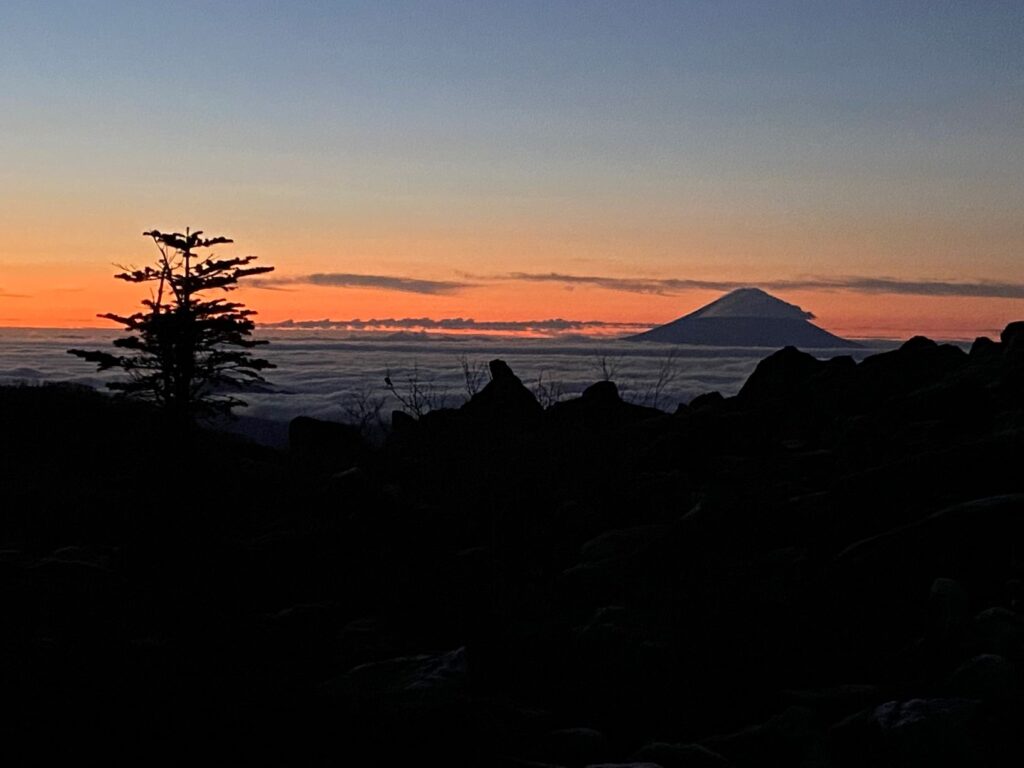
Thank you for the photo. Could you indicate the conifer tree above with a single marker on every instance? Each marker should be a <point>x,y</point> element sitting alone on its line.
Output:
<point>187,351</point>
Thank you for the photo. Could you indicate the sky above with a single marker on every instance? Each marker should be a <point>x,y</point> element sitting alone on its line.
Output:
<point>609,162</point>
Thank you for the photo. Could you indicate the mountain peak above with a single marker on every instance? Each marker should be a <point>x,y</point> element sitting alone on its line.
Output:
<point>746,317</point>
<point>752,302</point>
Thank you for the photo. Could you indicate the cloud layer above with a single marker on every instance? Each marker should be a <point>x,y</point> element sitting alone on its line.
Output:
<point>382,282</point>
<point>660,286</point>
<point>874,285</point>
<point>552,325</point>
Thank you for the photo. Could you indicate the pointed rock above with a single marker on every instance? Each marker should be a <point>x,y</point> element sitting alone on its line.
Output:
<point>504,397</point>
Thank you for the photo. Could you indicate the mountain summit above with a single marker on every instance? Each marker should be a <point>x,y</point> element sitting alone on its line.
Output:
<point>746,317</point>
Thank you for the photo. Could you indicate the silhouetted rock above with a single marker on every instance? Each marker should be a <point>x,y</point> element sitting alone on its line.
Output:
<point>600,405</point>
<point>949,605</point>
<point>1000,632</point>
<point>402,423</point>
<point>984,348</point>
<point>1013,344</point>
<point>504,761</point>
<point>973,537</point>
<point>918,344</point>
<point>399,682</point>
<point>919,362</point>
<point>788,738</point>
<point>326,441</point>
<point>680,756</point>
<point>577,746</point>
<point>1012,337</point>
<point>706,400</point>
<point>986,676</point>
<point>603,393</point>
<point>779,374</point>
<point>840,544</point>
<point>915,732</point>
<point>504,397</point>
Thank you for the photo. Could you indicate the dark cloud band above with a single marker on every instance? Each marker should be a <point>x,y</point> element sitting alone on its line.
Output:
<point>381,282</point>
<point>668,286</point>
<point>553,325</point>
<point>659,286</point>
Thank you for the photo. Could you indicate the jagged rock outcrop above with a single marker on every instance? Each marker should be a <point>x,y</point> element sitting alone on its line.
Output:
<point>504,397</point>
<point>822,570</point>
<point>599,406</point>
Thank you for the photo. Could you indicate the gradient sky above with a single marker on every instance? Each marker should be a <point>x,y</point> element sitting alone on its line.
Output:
<point>616,161</point>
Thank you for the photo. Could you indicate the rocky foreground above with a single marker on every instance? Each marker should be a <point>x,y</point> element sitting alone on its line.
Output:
<point>825,570</point>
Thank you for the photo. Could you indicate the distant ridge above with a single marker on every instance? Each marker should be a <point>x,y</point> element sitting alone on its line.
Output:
<point>746,317</point>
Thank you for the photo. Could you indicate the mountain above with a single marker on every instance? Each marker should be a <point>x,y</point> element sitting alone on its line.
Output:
<point>746,317</point>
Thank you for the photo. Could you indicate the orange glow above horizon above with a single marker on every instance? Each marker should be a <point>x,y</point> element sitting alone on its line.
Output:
<point>442,152</point>
<point>62,278</point>
<point>71,296</point>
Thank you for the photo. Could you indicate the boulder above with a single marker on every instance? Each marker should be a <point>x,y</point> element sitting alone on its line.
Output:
<point>1013,351</point>
<point>504,397</point>
<point>779,375</point>
<point>599,406</point>
<point>1012,337</point>
<point>998,631</point>
<point>679,756</point>
<point>919,362</point>
<point>949,603</point>
<point>706,401</point>
<point>402,423</point>
<point>602,394</point>
<point>327,441</point>
<point>915,732</point>
<point>984,348</point>
<point>577,746</point>
<point>622,543</point>
<point>986,676</point>
<point>409,682</point>
<point>787,738</point>
<point>918,344</point>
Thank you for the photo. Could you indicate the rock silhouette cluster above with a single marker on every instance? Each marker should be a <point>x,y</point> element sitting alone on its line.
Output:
<point>825,570</point>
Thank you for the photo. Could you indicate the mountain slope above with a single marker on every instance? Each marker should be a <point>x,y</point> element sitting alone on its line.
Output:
<point>746,317</point>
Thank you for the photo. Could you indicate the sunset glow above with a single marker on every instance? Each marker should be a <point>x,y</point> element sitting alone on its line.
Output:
<point>459,160</point>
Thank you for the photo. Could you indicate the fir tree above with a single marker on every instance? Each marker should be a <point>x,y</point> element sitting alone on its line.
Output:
<point>186,352</point>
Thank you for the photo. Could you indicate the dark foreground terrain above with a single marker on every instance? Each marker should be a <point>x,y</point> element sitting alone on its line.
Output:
<point>825,570</point>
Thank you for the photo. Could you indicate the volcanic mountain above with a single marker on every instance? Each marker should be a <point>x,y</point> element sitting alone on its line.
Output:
<point>746,317</point>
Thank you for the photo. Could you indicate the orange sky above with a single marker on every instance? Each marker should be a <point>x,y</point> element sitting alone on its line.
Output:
<point>809,149</point>
<point>69,293</point>
<point>63,276</point>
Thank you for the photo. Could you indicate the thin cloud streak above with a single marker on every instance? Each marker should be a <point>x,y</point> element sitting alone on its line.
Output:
<point>654,286</point>
<point>981,288</point>
<point>381,282</point>
<point>623,284</point>
<point>874,285</point>
<point>552,325</point>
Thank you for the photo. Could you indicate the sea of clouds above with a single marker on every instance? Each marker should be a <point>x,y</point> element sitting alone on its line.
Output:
<point>326,374</point>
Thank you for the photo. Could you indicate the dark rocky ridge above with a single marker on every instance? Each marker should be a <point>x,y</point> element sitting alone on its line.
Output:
<point>823,570</point>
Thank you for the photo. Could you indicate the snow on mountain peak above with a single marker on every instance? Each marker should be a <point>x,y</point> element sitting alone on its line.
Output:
<point>751,302</point>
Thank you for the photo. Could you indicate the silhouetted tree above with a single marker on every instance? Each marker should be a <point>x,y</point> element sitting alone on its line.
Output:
<point>186,351</point>
<point>418,396</point>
